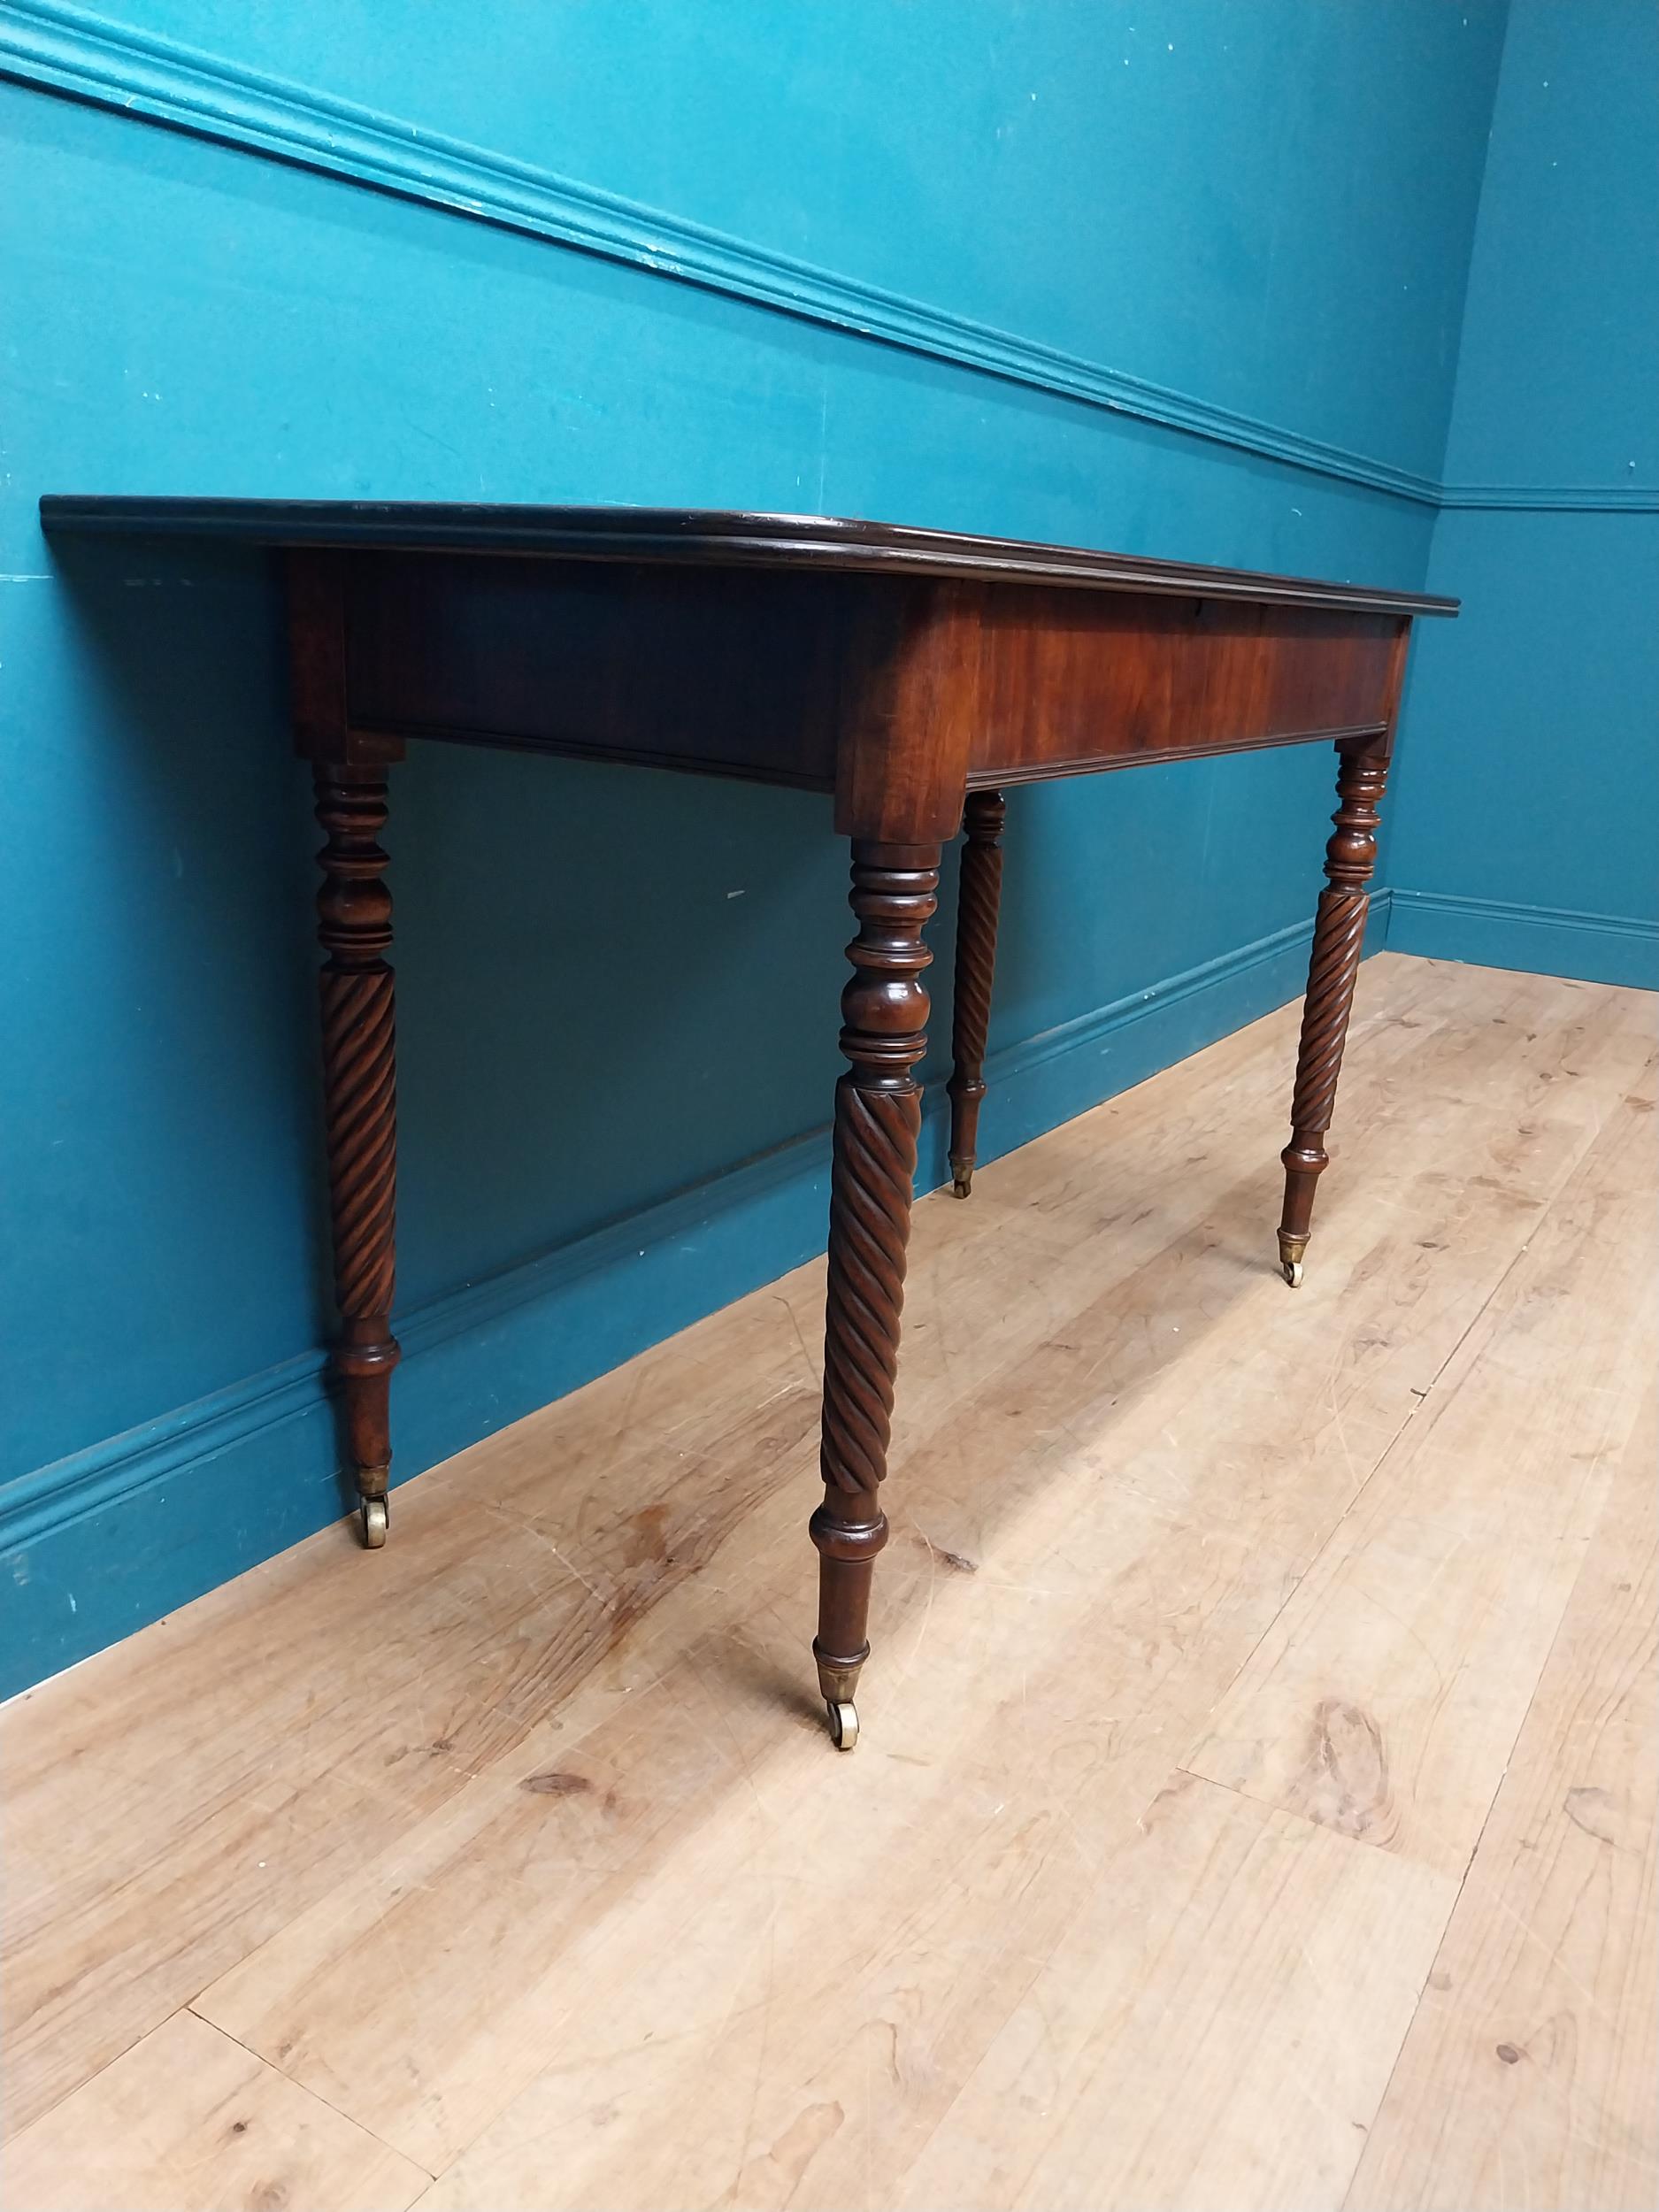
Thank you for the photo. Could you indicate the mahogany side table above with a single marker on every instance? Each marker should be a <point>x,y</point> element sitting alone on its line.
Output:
<point>912,674</point>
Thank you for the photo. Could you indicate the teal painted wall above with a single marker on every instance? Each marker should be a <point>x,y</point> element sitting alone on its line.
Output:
<point>1528,778</point>
<point>1164,277</point>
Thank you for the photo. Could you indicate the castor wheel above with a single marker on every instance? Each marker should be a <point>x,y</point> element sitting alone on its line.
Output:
<point>962,1181</point>
<point>843,1725</point>
<point>1291,1270</point>
<point>373,1515</point>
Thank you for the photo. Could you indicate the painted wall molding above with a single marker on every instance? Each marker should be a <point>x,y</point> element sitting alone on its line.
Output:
<point>1640,499</point>
<point>59,49</point>
<point>94,1546</point>
<point>72,51</point>
<point>1540,939</point>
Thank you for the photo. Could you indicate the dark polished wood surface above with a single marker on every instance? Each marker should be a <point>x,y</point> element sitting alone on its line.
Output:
<point>695,534</point>
<point>912,674</point>
<point>897,667</point>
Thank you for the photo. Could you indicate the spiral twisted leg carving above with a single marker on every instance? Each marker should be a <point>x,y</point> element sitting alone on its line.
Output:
<point>976,963</point>
<point>354,911</point>
<point>869,1196</point>
<point>1339,935</point>
<point>878,1114</point>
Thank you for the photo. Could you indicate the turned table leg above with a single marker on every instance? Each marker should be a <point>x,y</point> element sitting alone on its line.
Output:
<point>1339,933</point>
<point>878,1114</point>
<point>355,928</point>
<point>981,896</point>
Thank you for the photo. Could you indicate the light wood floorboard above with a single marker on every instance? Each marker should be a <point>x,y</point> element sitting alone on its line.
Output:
<point>1529,2075</point>
<point>515,1854</point>
<point>187,2121</point>
<point>1385,1698</point>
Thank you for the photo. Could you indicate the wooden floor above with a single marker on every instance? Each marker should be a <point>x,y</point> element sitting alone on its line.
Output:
<point>1256,1800</point>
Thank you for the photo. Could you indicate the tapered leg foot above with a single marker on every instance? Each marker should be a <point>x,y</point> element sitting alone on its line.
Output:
<point>843,1598</point>
<point>981,893</point>
<point>1338,936</point>
<point>878,1114</point>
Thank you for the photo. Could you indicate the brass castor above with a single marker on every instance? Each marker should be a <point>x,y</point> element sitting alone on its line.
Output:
<point>1290,1252</point>
<point>843,1723</point>
<point>372,1513</point>
<point>962,1180</point>
<point>1292,1271</point>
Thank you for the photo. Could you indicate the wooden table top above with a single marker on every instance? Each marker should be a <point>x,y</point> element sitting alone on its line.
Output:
<point>702,537</point>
